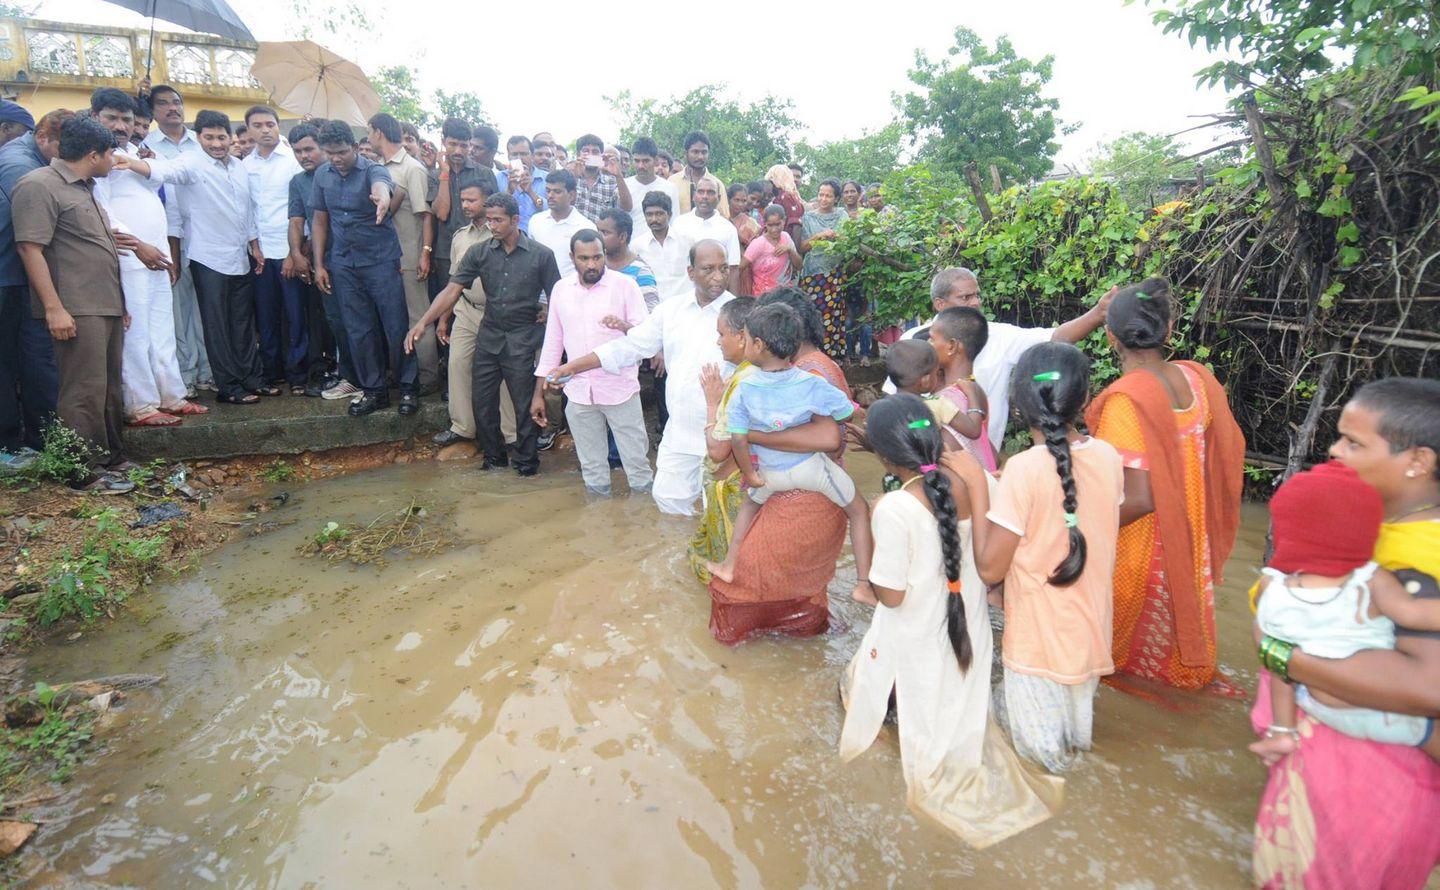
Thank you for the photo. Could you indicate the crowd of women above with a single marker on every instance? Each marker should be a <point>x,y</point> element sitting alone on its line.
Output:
<point>1102,546</point>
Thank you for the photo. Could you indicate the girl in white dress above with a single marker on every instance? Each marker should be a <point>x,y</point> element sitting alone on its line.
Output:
<point>930,643</point>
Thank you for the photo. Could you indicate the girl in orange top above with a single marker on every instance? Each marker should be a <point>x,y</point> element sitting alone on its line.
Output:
<point>1062,496</point>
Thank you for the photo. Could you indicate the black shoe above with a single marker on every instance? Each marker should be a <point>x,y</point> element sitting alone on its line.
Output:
<point>448,437</point>
<point>616,463</point>
<point>547,439</point>
<point>409,404</point>
<point>315,388</point>
<point>368,404</point>
<point>526,471</point>
<point>491,463</point>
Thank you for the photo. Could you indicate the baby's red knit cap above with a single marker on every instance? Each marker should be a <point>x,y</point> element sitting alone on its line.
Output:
<point>1325,521</point>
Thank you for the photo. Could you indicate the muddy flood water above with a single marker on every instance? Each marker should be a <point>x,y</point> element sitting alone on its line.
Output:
<point>542,706</point>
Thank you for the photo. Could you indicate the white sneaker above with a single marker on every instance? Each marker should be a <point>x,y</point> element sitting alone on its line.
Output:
<point>342,390</point>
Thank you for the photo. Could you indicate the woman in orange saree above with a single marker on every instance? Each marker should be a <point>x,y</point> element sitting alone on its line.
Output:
<point>787,560</point>
<point>1184,458</point>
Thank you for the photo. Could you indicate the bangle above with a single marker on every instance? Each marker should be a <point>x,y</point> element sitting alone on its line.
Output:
<point>1275,656</point>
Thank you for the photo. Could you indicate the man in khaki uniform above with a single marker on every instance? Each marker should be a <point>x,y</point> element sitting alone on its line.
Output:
<point>415,227</point>
<point>72,261</point>
<point>469,312</point>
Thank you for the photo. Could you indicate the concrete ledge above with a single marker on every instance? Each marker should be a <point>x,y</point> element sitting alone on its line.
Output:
<point>283,425</point>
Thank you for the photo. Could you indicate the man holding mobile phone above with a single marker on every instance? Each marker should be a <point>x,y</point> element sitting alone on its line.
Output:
<point>600,185</point>
<point>523,181</point>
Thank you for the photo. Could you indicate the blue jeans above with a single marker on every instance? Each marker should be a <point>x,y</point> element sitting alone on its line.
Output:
<point>372,310</point>
<point>277,296</point>
<point>29,377</point>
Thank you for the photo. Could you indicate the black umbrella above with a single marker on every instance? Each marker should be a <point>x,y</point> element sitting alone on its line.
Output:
<point>205,16</point>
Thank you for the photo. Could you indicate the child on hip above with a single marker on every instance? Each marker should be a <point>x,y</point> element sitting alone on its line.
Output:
<point>958,335</point>
<point>776,397</point>
<point>1323,593</point>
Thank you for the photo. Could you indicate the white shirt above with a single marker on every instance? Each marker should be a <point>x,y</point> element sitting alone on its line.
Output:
<point>216,215</point>
<point>270,196</point>
<point>685,331</point>
<point>1003,349</point>
<point>169,149</point>
<point>716,228</point>
<point>669,261</point>
<point>556,234</point>
<point>133,204</point>
<point>638,191</point>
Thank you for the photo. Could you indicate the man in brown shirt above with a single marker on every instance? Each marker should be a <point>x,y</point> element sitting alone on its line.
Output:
<point>71,259</point>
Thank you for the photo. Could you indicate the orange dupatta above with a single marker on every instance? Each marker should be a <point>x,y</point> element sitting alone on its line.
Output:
<point>1224,478</point>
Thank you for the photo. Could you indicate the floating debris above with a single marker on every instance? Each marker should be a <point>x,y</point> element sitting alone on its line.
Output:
<point>396,531</point>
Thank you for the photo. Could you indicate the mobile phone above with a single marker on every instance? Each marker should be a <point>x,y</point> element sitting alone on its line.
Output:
<point>563,378</point>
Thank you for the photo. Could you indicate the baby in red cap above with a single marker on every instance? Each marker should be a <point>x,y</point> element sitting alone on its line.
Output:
<point>1323,593</point>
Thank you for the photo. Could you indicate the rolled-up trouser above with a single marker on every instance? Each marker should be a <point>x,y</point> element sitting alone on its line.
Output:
<point>678,478</point>
<point>227,308</point>
<point>417,303</point>
<point>463,328</point>
<point>29,379</point>
<point>280,324</point>
<point>514,367</point>
<point>627,422</point>
<point>190,351</point>
<point>151,373</point>
<point>372,303</point>
<point>91,401</point>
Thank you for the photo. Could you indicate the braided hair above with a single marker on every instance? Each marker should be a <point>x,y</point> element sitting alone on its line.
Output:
<point>1049,389</point>
<point>902,432</point>
<point>1139,316</point>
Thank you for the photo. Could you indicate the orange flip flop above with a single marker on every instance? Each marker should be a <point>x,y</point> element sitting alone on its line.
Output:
<point>155,418</point>
<point>185,409</point>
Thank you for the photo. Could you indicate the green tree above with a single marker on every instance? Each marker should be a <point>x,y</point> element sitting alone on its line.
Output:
<point>867,158</point>
<point>398,93</point>
<point>464,105</point>
<point>1290,39</point>
<point>744,138</point>
<point>983,105</point>
<point>1140,166</point>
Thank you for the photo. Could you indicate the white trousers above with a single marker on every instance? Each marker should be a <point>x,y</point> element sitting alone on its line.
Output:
<point>150,371</point>
<point>678,479</point>
<point>626,421</point>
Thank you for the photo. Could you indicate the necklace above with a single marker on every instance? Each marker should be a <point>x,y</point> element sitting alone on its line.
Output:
<point>906,483</point>
<point>1408,513</point>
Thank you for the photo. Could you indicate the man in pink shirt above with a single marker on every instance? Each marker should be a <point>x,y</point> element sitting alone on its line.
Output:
<point>583,307</point>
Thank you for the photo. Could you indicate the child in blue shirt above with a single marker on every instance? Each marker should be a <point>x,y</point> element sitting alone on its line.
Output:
<point>776,397</point>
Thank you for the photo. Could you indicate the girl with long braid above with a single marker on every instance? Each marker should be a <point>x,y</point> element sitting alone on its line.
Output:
<point>1050,535</point>
<point>929,643</point>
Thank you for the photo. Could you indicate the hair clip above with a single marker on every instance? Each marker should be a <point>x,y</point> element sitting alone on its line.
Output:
<point>955,586</point>
<point>928,468</point>
<point>1071,520</point>
<point>1046,375</point>
<point>919,424</point>
<point>1141,295</point>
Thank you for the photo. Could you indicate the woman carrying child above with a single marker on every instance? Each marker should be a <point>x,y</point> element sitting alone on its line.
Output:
<point>929,643</point>
<point>1346,812</point>
<point>957,335</point>
<point>1184,459</point>
<point>1050,536</point>
<point>783,571</point>
<point>776,397</point>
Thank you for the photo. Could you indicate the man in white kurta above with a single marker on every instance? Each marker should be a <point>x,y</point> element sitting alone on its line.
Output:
<point>150,372</point>
<point>683,328</point>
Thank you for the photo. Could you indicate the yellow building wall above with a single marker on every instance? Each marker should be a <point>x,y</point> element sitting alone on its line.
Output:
<point>45,65</point>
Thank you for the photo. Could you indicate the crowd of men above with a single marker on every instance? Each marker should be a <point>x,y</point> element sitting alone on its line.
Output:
<point>139,266</point>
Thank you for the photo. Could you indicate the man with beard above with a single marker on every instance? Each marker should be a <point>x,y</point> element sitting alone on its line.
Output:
<point>143,117</point>
<point>327,326</point>
<point>586,310</point>
<point>684,329</point>
<point>154,392</point>
<point>171,140</point>
<point>695,169</point>
<point>484,144</point>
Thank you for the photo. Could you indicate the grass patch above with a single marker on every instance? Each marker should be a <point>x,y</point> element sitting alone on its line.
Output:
<point>279,471</point>
<point>52,748</point>
<point>82,581</point>
<point>396,531</point>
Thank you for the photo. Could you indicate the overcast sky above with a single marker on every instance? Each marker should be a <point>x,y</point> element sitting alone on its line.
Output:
<point>1114,70</point>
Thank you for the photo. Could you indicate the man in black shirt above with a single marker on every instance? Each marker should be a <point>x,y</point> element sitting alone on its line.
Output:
<point>517,274</point>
